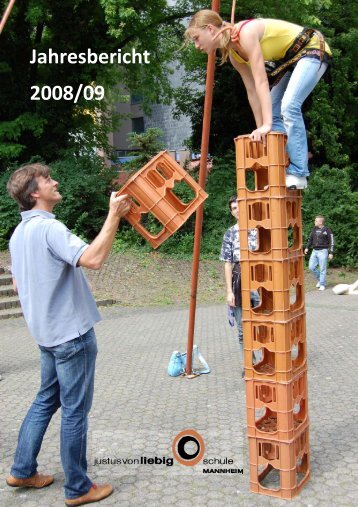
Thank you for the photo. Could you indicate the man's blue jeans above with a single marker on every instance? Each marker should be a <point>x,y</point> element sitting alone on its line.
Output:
<point>319,258</point>
<point>287,99</point>
<point>255,301</point>
<point>67,381</point>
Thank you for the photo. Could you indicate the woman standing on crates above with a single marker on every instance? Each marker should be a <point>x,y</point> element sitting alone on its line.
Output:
<point>276,55</point>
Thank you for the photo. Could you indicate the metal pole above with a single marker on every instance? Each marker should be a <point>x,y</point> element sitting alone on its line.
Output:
<point>6,14</point>
<point>215,6</point>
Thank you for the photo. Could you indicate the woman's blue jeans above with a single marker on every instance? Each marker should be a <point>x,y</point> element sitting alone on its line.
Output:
<point>287,99</point>
<point>67,381</point>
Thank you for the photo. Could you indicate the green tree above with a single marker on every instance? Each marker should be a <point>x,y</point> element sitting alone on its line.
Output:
<point>329,194</point>
<point>147,145</point>
<point>42,127</point>
<point>85,185</point>
<point>331,115</point>
<point>47,127</point>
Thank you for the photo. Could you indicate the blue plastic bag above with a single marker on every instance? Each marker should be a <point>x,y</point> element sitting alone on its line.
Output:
<point>177,363</point>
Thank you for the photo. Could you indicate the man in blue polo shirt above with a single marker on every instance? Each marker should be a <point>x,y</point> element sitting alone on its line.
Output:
<point>60,311</point>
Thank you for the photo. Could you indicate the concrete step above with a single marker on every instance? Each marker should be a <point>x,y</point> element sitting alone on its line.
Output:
<point>9,313</point>
<point>5,279</point>
<point>6,290</point>
<point>15,311</point>
<point>105,302</point>
<point>9,302</point>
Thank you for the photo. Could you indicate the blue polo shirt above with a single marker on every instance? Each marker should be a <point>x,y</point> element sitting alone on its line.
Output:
<point>55,298</point>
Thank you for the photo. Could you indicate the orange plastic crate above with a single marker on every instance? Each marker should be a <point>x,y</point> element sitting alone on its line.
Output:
<point>151,190</point>
<point>270,213</point>
<point>268,165</point>
<point>272,275</point>
<point>255,154</point>
<point>279,468</point>
<point>277,396</point>
<point>275,336</point>
<point>275,366</point>
<point>275,244</point>
<point>278,306</point>
<point>276,410</point>
<point>268,182</point>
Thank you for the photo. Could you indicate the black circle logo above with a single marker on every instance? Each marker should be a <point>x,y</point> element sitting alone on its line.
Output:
<point>181,454</point>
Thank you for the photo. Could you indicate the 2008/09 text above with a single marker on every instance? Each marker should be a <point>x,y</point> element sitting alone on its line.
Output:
<point>67,92</point>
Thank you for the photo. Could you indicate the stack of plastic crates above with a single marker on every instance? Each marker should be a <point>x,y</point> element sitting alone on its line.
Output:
<point>275,330</point>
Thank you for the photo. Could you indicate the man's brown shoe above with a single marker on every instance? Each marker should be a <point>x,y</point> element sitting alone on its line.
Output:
<point>36,481</point>
<point>95,494</point>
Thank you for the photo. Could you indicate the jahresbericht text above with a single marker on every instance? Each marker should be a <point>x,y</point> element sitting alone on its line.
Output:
<point>90,57</point>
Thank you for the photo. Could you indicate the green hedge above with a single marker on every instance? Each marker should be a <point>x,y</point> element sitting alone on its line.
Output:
<point>329,194</point>
<point>84,183</point>
<point>85,186</point>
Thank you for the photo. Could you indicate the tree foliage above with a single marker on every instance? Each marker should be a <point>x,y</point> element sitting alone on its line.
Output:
<point>332,111</point>
<point>47,127</point>
<point>68,133</point>
<point>329,194</point>
<point>147,145</point>
<point>85,186</point>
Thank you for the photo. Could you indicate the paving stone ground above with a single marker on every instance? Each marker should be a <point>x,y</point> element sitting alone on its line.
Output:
<point>138,409</point>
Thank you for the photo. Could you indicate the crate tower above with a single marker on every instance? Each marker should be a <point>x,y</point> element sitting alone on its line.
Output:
<point>275,331</point>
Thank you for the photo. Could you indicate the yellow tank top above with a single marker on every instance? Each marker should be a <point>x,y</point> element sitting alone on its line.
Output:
<point>277,38</point>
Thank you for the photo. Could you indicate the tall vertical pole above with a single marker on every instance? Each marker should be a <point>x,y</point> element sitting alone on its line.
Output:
<point>6,15</point>
<point>210,70</point>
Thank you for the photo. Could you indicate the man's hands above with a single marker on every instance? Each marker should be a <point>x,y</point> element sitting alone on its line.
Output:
<point>119,206</point>
<point>230,298</point>
<point>306,251</point>
<point>260,133</point>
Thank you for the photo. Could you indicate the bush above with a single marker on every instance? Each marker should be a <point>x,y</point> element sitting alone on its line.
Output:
<point>329,194</point>
<point>9,211</point>
<point>84,183</point>
<point>221,185</point>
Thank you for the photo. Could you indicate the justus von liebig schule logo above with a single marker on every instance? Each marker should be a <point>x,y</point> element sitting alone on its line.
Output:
<point>180,449</point>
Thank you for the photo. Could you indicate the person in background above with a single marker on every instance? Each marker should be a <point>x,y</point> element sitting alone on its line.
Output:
<point>322,242</point>
<point>230,255</point>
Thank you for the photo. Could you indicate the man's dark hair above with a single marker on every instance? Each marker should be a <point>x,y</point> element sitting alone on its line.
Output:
<point>23,183</point>
<point>231,200</point>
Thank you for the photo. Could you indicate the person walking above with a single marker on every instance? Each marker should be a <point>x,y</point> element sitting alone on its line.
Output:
<point>270,54</point>
<point>322,241</point>
<point>60,311</point>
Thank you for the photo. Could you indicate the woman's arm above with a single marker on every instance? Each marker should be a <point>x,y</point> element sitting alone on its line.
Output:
<point>248,80</point>
<point>250,43</point>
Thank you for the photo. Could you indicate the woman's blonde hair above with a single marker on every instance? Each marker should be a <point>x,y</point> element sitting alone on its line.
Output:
<point>207,17</point>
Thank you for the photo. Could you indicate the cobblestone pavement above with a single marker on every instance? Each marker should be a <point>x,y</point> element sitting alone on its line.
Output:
<point>138,409</point>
